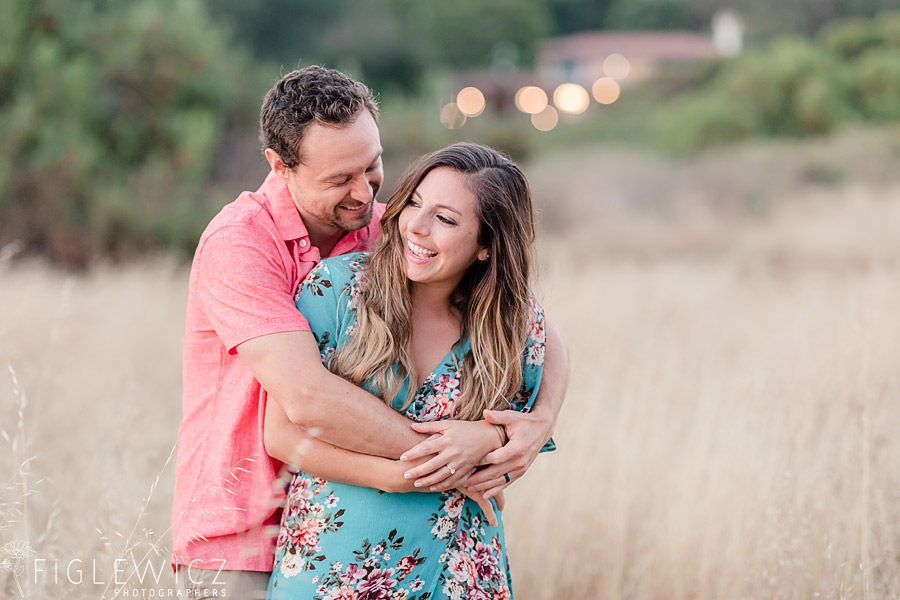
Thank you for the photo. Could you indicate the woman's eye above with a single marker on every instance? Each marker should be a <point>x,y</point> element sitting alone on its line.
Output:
<point>411,202</point>
<point>446,220</point>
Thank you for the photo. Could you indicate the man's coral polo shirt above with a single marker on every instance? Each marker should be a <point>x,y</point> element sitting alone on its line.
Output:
<point>245,273</point>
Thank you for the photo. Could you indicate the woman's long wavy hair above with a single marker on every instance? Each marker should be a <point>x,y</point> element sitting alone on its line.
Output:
<point>492,298</point>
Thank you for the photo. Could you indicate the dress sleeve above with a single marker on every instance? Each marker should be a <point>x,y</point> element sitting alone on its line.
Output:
<point>533,364</point>
<point>323,298</point>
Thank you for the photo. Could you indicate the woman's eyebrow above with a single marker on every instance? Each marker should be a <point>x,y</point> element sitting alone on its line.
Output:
<point>448,207</point>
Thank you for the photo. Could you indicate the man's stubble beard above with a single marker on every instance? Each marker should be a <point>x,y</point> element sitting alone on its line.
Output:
<point>363,221</point>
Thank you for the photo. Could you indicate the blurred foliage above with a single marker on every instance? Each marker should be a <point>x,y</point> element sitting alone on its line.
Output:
<point>793,87</point>
<point>124,125</point>
<point>655,14</point>
<point>110,123</point>
<point>389,44</point>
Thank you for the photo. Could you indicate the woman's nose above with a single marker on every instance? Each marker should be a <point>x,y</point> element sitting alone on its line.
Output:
<point>419,223</point>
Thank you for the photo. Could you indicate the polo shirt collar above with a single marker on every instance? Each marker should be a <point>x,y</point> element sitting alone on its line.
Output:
<point>287,220</point>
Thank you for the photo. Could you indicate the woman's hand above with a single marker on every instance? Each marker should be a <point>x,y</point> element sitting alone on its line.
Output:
<point>455,448</point>
<point>390,476</point>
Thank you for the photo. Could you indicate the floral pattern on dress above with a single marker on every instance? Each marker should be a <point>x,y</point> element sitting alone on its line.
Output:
<point>303,522</point>
<point>434,400</point>
<point>374,574</point>
<point>474,558</point>
<point>346,542</point>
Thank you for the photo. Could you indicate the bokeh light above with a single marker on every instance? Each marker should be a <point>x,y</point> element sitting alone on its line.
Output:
<point>546,119</point>
<point>470,101</point>
<point>571,98</point>
<point>605,90</point>
<point>531,99</point>
<point>452,117</point>
<point>616,66</point>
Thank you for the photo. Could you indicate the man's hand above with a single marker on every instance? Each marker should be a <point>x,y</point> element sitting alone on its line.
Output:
<point>527,435</point>
<point>485,505</point>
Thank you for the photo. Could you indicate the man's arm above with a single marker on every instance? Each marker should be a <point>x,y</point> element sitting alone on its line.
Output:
<point>290,369</point>
<point>290,444</point>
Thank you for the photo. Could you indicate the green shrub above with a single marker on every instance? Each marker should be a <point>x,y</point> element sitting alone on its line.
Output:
<point>705,120</point>
<point>876,84</point>
<point>851,38</point>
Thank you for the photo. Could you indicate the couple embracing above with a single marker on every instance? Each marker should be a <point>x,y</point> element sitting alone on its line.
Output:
<point>361,381</point>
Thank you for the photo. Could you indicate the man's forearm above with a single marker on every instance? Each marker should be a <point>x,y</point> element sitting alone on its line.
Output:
<point>347,416</point>
<point>289,367</point>
<point>291,444</point>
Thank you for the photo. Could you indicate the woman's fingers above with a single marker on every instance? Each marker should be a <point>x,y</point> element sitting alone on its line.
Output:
<point>430,446</point>
<point>430,426</point>
<point>442,479</point>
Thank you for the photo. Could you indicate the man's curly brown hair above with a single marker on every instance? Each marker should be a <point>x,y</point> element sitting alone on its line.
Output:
<point>310,95</point>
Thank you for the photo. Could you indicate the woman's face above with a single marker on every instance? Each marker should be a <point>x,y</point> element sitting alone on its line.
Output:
<point>439,227</point>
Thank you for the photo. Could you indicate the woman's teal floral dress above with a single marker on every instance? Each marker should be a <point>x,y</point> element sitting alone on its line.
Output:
<point>347,542</point>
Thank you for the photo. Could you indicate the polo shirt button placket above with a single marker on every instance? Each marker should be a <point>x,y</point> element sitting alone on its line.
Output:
<point>303,243</point>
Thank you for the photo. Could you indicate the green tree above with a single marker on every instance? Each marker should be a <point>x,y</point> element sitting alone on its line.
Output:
<point>389,44</point>
<point>466,32</point>
<point>110,121</point>
<point>570,16</point>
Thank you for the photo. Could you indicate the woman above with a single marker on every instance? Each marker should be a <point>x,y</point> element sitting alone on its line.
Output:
<point>443,301</point>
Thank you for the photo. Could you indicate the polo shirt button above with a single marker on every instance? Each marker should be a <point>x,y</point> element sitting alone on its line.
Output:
<point>303,243</point>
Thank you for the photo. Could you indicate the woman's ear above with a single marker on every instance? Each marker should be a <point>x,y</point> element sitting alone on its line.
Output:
<point>484,254</point>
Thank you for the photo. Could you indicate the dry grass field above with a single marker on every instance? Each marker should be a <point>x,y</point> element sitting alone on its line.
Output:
<point>731,424</point>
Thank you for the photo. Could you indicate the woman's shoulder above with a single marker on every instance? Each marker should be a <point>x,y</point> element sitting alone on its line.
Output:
<point>341,268</point>
<point>336,273</point>
<point>345,266</point>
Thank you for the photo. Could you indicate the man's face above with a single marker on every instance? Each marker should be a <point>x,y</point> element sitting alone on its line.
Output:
<point>335,184</point>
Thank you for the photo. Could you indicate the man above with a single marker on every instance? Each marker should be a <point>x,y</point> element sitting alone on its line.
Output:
<point>245,342</point>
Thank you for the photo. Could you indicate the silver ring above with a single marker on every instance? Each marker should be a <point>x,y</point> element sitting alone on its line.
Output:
<point>452,470</point>
<point>506,477</point>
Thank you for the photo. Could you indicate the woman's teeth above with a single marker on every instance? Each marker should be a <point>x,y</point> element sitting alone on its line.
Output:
<point>419,251</point>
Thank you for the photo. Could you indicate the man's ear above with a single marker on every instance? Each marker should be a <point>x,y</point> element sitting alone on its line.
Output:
<point>276,163</point>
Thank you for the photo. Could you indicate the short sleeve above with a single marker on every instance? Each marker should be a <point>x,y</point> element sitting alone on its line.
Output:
<point>533,363</point>
<point>244,288</point>
<point>325,299</point>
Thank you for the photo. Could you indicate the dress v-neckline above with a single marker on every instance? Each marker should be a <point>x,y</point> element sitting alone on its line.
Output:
<point>447,358</point>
